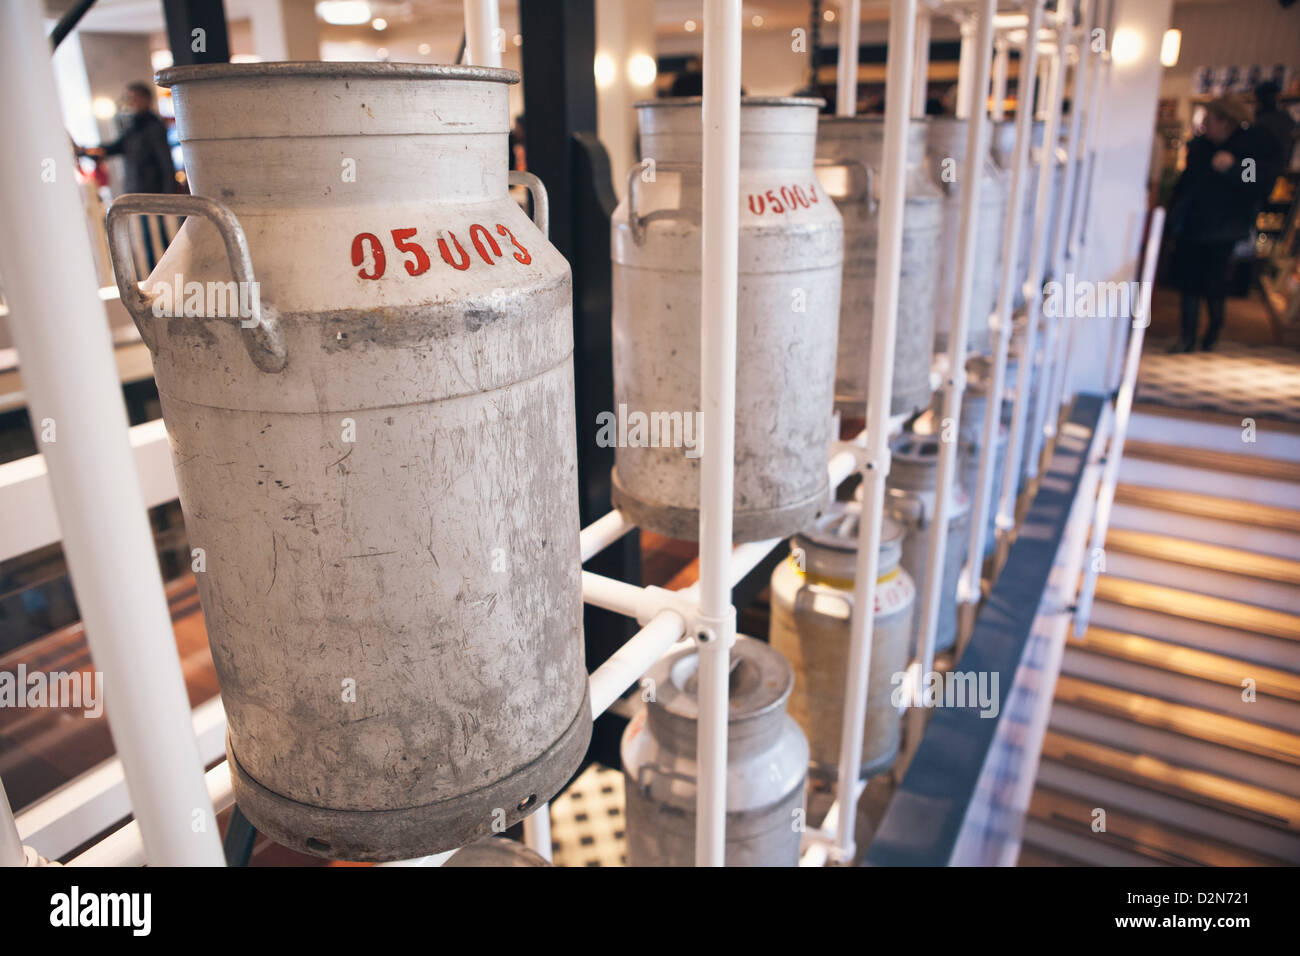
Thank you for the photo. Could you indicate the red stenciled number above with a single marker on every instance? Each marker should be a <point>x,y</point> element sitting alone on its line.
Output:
<point>463,264</point>
<point>774,202</point>
<point>800,196</point>
<point>421,263</point>
<point>812,194</point>
<point>521,255</point>
<point>756,210</point>
<point>477,234</point>
<point>788,198</point>
<point>376,253</point>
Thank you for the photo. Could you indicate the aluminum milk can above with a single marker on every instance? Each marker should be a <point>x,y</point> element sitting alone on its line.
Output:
<point>811,608</point>
<point>859,140</point>
<point>947,152</point>
<point>910,500</point>
<point>791,247</point>
<point>767,762</point>
<point>979,373</point>
<point>378,472</point>
<point>496,851</point>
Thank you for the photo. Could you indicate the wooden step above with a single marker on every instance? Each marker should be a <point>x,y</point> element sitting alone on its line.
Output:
<point>1177,602</point>
<point>1033,855</point>
<point>1188,661</point>
<point>1157,840</point>
<point>1209,506</point>
<point>1202,555</point>
<point>1256,466</point>
<point>1195,722</point>
<point>1252,803</point>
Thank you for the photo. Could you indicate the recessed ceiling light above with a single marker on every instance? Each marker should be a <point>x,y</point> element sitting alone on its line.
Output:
<point>424,49</point>
<point>829,16</point>
<point>518,39</point>
<point>757,21</point>
<point>690,26</point>
<point>379,23</point>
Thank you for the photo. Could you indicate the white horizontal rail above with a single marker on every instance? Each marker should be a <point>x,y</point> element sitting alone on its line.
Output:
<point>66,818</point>
<point>27,517</point>
<point>125,847</point>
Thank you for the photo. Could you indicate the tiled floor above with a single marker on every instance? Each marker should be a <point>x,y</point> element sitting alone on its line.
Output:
<point>587,821</point>
<point>1240,380</point>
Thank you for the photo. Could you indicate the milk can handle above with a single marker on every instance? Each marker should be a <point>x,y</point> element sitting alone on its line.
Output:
<point>265,343</point>
<point>810,590</point>
<point>868,178</point>
<point>635,221</point>
<point>541,202</point>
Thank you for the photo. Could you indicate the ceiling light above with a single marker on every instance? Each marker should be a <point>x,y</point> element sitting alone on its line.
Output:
<point>605,70</point>
<point>1126,46</point>
<point>379,23</point>
<point>641,70</point>
<point>343,12</point>
<point>1170,46</point>
<point>518,39</point>
<point>829,16</point>
<point>424,49</point>
<point>757,21</point>
<point>104,108</point>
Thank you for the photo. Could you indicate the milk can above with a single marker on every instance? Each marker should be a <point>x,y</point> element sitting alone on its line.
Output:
<point>812,602</point>
<point>767,762</point>
<point>860,139</point>
<point>791,247</point>
<point>910,497</point>
<point>496,851</point>
<point>947,153</point>
<point>377,461</point>
<point>979,374</point>
<point>1004,141</point>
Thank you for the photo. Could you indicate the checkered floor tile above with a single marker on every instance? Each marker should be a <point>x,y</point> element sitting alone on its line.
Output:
<point>587,821</point>
<point>1250,381</point>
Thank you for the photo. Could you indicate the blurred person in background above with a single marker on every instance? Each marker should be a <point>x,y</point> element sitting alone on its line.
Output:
<point>147,159</point>
<point>1212,208</point>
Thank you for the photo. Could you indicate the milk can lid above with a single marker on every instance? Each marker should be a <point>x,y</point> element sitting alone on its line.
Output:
<point>761,680</point>
<point>836,529</point>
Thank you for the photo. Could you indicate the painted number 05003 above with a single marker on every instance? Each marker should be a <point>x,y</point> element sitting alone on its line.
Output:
<point>367,245</point>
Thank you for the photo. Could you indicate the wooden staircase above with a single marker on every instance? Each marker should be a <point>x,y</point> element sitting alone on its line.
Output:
<point>1174,737</point>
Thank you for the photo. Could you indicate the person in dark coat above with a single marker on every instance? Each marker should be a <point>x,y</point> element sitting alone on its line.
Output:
<point>146,155</point>
<point>1213,207</point>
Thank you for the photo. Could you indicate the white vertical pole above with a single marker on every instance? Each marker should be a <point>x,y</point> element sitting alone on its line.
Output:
<point>970,590</point>
<point>720,231</point>
<point>537,831</point>
<point>977,147</point>
<point>1001,54</point>
<point>1123,408</point>
<point>75,402</point>
<point>846,73</point>
<point>965,70</point>
<point>889,257</point>
<point>1006,520</point>
<point>1045,413</point>
<point>1080,128</point>
<point>921,64</point>
<point>483,36</point>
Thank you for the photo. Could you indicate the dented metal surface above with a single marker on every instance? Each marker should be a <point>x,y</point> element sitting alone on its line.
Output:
<point>790,252</point>
<point>389,525</point>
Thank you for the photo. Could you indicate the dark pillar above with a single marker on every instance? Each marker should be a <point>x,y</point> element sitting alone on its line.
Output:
<point>183,18</point>
<point>562,149</point>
